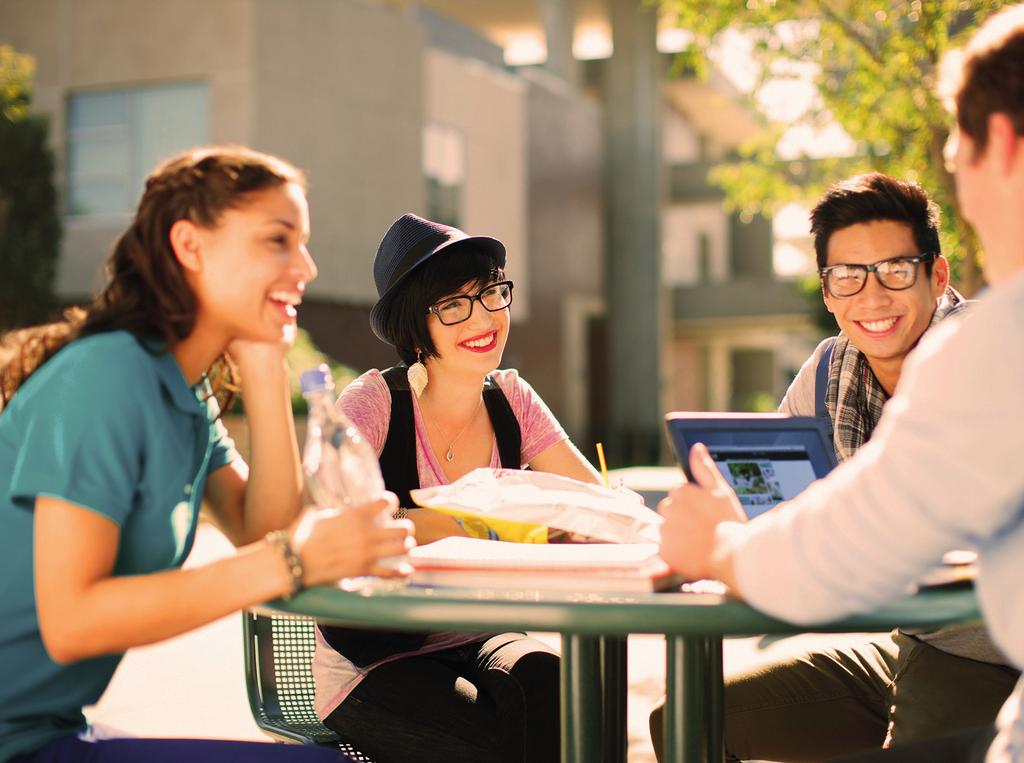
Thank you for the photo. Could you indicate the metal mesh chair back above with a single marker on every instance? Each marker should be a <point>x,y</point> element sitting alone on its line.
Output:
<point>279,681</point>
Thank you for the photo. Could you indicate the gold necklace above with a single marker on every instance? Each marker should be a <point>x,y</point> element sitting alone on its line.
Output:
<point>449,455</point>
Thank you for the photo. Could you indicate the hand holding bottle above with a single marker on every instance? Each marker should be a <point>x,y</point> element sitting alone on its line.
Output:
<point>335,544</point>
<point>340,467</point>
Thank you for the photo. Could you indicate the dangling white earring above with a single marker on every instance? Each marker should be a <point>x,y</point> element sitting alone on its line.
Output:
<point>417,375</point>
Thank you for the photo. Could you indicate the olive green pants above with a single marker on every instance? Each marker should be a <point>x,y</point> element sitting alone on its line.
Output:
<point>812,701</point>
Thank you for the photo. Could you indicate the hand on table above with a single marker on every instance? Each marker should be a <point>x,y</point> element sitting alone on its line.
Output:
<point>340,544</point>
<point>694,513</point>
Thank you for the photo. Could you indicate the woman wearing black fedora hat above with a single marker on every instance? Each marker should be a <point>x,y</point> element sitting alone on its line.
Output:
<point>444,306</point>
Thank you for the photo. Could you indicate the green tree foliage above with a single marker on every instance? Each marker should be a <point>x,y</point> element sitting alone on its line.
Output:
<point>877,67</point>
<point>303,355</point>
<point>29,227</point>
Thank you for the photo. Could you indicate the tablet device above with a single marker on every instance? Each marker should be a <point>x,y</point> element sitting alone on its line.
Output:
<point>767,458</point>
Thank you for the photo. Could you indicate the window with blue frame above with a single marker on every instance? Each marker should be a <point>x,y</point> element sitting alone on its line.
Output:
<point>115,137</point>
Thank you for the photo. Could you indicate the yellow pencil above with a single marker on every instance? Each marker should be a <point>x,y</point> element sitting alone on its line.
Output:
<point>600,460</point>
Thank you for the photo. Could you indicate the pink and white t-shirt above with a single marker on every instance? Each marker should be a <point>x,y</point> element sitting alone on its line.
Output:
<point>367,402</point>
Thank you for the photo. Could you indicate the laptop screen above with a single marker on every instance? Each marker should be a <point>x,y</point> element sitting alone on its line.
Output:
<point>762,477</point>
<point>766,458</point>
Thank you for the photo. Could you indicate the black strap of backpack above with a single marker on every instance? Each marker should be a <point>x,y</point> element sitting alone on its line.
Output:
<point>505,425</point>
<point>821,384</point>
<point>398,459</point>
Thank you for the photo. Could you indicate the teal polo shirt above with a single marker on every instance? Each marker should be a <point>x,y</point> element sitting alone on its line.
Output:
<point>111,425</point>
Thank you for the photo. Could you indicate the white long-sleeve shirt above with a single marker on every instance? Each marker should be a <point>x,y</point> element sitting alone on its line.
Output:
<point>944,468</point>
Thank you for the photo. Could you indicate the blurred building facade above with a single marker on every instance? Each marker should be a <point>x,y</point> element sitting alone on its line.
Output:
<point>398,106</point>
<point>740,330</point>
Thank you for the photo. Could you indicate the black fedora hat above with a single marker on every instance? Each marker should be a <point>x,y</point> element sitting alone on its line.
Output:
<point>409,242</point>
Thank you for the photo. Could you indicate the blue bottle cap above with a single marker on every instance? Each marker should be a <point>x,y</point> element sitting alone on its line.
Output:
<point>316,379</point>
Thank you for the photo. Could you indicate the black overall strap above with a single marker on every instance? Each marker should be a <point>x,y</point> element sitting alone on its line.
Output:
<point>398,459</point>
<point>505,425</point>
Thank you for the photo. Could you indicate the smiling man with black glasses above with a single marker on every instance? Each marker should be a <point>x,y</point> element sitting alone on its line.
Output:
<point>941,471</point>
<point>883,276</point>
<point>886,282</point>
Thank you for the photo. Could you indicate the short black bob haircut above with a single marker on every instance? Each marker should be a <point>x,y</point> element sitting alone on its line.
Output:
<point>445,274</point>
<point>871,197</point>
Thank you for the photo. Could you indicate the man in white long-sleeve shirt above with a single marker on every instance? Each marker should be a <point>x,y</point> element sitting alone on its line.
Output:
<point>943,467</point>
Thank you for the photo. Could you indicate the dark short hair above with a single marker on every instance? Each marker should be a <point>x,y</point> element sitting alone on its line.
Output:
<point>871,197</point>
<point>991,79</point>
<point>405,312</point>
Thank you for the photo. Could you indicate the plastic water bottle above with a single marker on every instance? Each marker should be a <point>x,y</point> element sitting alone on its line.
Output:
<point>340,467</point>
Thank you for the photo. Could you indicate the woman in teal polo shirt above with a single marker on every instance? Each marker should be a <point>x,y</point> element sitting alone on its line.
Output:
<point>110,440</point>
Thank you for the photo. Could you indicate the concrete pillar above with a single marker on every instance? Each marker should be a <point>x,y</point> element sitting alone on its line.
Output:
<point>635,317</point>
<point>719,376</point>
<point>559,19</point>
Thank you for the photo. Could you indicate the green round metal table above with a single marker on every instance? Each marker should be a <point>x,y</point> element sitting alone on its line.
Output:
<point>594,628</point>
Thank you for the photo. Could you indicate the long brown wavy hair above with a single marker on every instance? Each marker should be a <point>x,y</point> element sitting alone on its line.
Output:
<point>146,292</point>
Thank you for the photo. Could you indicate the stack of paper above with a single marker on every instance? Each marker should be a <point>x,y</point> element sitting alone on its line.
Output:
<point>591,567</point>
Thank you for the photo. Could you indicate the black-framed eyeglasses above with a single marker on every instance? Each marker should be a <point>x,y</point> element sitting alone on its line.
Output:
<point>458,308</point>
<point>897,274</point>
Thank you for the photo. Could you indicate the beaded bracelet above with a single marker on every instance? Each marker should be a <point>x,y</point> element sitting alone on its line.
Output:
<point>279,539</point>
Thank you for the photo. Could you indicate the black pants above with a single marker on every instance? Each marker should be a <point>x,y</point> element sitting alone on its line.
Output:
<point>493,701</point>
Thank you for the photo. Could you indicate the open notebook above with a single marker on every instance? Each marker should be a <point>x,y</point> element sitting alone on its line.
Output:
<point>575,567</point>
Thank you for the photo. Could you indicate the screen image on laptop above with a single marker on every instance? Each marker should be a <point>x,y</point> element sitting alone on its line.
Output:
<point>762,477</point>
<point>766,458</point>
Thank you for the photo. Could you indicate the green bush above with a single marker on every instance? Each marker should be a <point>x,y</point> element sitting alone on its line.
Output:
<point>302,356</point>
<point>29,225</point>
